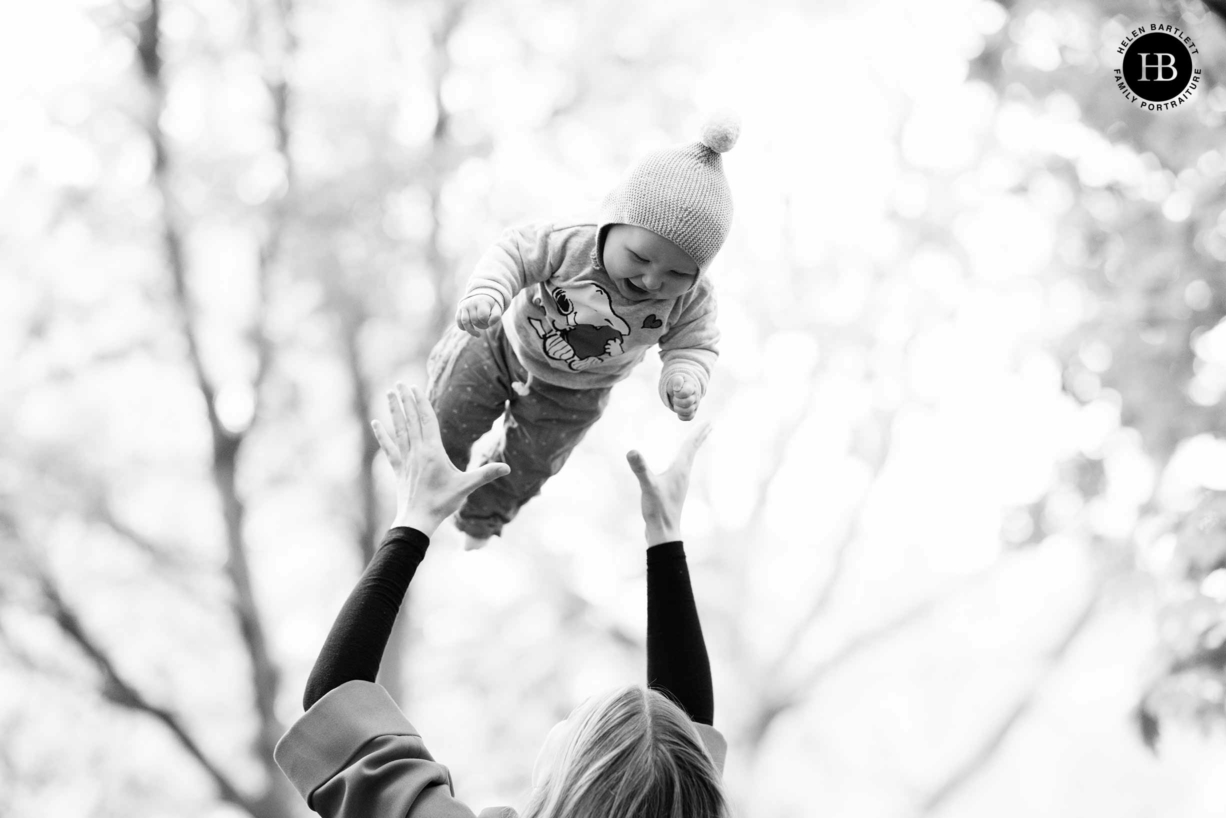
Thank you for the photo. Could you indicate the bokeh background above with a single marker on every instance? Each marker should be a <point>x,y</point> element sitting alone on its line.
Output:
<point>959,536</point>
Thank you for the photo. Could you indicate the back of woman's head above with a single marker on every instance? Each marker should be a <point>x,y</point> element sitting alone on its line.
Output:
<point>631,753</point>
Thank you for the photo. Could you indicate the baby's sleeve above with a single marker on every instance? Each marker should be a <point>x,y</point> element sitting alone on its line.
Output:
<point>691,345</point>
<point>355,755</point>
<point>521,256</point>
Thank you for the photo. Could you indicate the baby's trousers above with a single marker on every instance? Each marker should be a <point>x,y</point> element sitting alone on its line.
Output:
<point>471,383</point>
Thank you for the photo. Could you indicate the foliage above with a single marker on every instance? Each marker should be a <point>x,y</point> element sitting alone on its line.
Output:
<point>968,407</point>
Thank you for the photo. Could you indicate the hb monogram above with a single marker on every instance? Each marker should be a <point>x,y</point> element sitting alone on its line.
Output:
<point>1161,66</point>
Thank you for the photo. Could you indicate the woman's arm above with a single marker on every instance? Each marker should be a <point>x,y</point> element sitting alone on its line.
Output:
<point>428,489</point>
<point>677,662</point>
<point>354,647</point>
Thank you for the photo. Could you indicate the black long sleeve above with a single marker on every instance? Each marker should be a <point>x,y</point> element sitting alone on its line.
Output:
<point>354,647</point>
<point>677,662</point>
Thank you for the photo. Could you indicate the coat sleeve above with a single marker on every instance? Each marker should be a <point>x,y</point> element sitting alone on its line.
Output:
<point>691,345</point>
<point>715,743</point>
<point>355,755</point>
<point>521,256</point>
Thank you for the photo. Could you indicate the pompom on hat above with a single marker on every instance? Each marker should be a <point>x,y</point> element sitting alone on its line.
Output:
<point>679,193</point>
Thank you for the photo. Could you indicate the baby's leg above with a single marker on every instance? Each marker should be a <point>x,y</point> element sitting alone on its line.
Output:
<point>540,431</point>
<point>468,383</point>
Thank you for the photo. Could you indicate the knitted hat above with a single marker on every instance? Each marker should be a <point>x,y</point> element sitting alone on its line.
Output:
<point>679,193</point>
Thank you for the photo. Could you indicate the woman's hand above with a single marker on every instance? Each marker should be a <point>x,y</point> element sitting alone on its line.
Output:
<point>429,488</point>
<point>664,493</point>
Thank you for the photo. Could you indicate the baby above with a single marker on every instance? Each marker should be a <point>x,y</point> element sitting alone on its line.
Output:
<point>555,314</point>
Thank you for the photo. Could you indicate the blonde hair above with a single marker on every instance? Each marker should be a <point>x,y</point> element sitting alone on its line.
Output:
<point>631,753</point>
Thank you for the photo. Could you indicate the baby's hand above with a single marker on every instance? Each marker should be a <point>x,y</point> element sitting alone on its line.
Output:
<point>477,312</point>
<point>683,396</point>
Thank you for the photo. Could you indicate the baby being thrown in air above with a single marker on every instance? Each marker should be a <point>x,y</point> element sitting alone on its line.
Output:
<point>555,314</point>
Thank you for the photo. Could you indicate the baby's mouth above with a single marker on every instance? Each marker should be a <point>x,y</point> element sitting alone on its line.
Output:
<point>636,289</point>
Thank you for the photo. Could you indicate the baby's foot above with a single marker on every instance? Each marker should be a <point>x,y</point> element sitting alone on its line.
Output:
<point>472,542</point>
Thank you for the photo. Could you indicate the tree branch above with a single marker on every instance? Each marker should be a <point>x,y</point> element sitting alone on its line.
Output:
<point>981,757</point>
<point>442,162</point>
<point>574,605</point>
<point>851,535</point>
<point>352,316</point>
<point>779,701</point>
<point>117,689</point>
<point>360,386</point>
<point>101,511</point>
<point>226,444</point>
<point>277,218</point>
<point>175,569</point>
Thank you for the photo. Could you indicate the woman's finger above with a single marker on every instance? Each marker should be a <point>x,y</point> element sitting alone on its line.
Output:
<point>427,419</point>
<point>487,474</point>
<point>386,444</point>
<point>692,444</point>
<point>399,425</point>
<point>412,415</point>
<point>639,467</point>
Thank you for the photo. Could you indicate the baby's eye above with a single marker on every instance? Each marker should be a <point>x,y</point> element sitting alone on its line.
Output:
<point>637,257</point>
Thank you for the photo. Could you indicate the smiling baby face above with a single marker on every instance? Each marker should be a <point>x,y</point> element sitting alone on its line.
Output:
<point>646,266</point>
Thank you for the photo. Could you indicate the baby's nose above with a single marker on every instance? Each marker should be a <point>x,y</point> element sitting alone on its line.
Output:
<point>651,281</point>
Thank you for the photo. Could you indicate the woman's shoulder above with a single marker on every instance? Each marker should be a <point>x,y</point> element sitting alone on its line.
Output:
<point>715,743</point>
<point>498,812</point>
<point>354,755</point>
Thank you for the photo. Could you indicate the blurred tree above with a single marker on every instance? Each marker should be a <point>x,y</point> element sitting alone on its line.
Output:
<point>339,242</point>
<point>285,230</point>
<point>228,430</point>
<point>1143,239</point>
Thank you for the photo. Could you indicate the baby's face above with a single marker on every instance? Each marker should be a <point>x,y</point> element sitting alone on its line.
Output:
<point>645,265</point>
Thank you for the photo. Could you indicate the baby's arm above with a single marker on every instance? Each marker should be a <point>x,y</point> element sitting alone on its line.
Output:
<point>689,350</point>
<point>520,257</point>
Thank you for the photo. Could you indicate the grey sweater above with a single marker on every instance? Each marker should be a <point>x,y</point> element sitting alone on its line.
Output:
<point>552,289</point>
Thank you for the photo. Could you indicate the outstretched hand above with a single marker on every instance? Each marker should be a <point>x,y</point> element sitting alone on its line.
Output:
<point>429,488</point>
<point>664,492</point>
